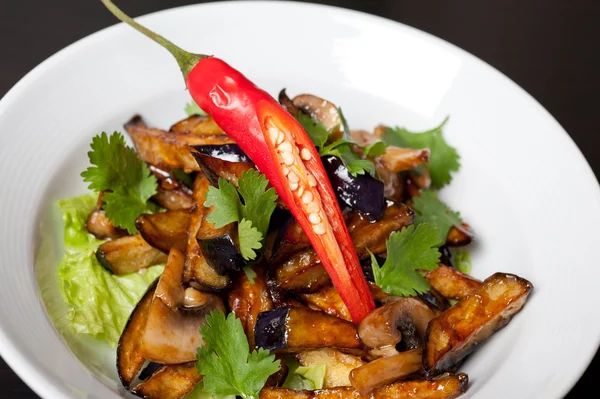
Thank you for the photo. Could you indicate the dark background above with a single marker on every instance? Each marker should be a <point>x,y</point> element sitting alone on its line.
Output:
<point>548,47</point>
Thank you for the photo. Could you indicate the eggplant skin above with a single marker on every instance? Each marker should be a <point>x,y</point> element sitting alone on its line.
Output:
<point>456,332</point>
<point>295,329</point>
<point>169,382</point>
<point>222,254</point>
<point>129,357</point>
<point>448,386</point>
<point>165,230</point>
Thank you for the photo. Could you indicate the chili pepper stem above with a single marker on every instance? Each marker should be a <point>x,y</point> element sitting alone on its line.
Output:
<point>186,60</point>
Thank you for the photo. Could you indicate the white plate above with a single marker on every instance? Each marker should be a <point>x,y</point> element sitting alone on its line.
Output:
<point>524,186</point>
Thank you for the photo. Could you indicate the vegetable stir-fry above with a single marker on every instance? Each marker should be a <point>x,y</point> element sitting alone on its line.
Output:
<point>301,258</point>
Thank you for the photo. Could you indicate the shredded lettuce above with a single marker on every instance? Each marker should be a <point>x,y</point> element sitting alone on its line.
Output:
<point>99,302</point>
<point>301,377</point>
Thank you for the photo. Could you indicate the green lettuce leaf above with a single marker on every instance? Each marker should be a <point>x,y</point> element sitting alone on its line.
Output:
<point>99,302</point>
<point>301,377</point>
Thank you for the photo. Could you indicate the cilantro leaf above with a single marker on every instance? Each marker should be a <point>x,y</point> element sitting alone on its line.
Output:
<point>250,274</point>
<point>226,363</point>
<point>253,215</point>
<point>462,259</point>
<point>375,149</point>
<point>408,252</point>
<point>185,178</point>
<point>429,209</point>
<point>192,108</point>
<point>250,239</point>
<point>443,159</point>
<point>118,170</point>
<point>316,131</point>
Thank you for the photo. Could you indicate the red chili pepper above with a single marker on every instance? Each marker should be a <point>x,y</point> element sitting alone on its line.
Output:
<point>282,150</point>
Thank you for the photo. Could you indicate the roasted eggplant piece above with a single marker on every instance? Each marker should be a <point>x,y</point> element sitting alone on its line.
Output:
<point>169,382</point>
<point>303,271</point>
<point>165,230</point>
<point>129,357</point>
<point>327,300</point>
<point>168,150</point>
<point>222,161</point>
<point>456,332</point>
<point>288,240</point>
<point>197,269</point>
<point>459,236</point>
<point>287,103</point>
<point>338,365</point>
<point>451,283</point>
<point>363,192</point>
<point>365,379</point>
<point>402,320</point>
<point>173,199</point>
<point>172,334</point>
<point>247,300</point>
<point>128,254</point>
<point>398,159</point>
<point>296,329</point>
<point>199,125</point>
<point>222,254</point>
<point>102,227</point>
<point>448,386</point>
<point>149,370</point>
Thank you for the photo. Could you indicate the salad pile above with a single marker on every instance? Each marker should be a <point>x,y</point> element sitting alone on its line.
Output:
<point>262,248</point>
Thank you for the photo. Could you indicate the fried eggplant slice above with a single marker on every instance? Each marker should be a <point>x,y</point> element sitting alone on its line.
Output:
<point>129,357</point>
<point>226,161</point>
<point>199,125</point>
<point>128,254</point>
<point>165,230</point>
<point>247,300</point>
<point>169,382</point>
<point>291,329</point>
<point>173,199</point>
<point>451,283</point>
<point>303,271</point>
<point>338,365</point>
<point>327,300</point>
<point>168,150</point>
<point>382,371</point>
<point>448,386</point>
<point>197,269</point>
<point>456,332</point>
<point>459,236</point>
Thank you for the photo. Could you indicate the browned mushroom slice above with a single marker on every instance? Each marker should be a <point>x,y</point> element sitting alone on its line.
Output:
<point>398,159</point>
<point>174,199</point>
<point>382,371</point>
<point>457,331</point>
<point>322,111</point>
<point>247,300</point>
<point>403,319</point>
<point>129,357</point>
<point>168,150</point>
<point>128,254</point>
<point>299,329</point>
<point>197,269</point>
<point>448,386</point>
<point>452,283</point>
<point>169,382</point>
<point>338,365</point>
<point>393,183</point>
<point>165,230</point>
<point>199,125</point>
<point>172,334</point>
<point>102,227</point>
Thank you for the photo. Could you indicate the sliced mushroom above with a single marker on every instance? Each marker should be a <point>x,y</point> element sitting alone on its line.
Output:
<point>172,333</point>
<point>404,319</point>
<point>365,379</point>
<point>321,111</point>
<point>102,227</point>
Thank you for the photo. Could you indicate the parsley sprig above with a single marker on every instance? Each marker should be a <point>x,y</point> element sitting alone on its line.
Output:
<point>226,363</point>
<point>127,180</point>
<point>253,214</point>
